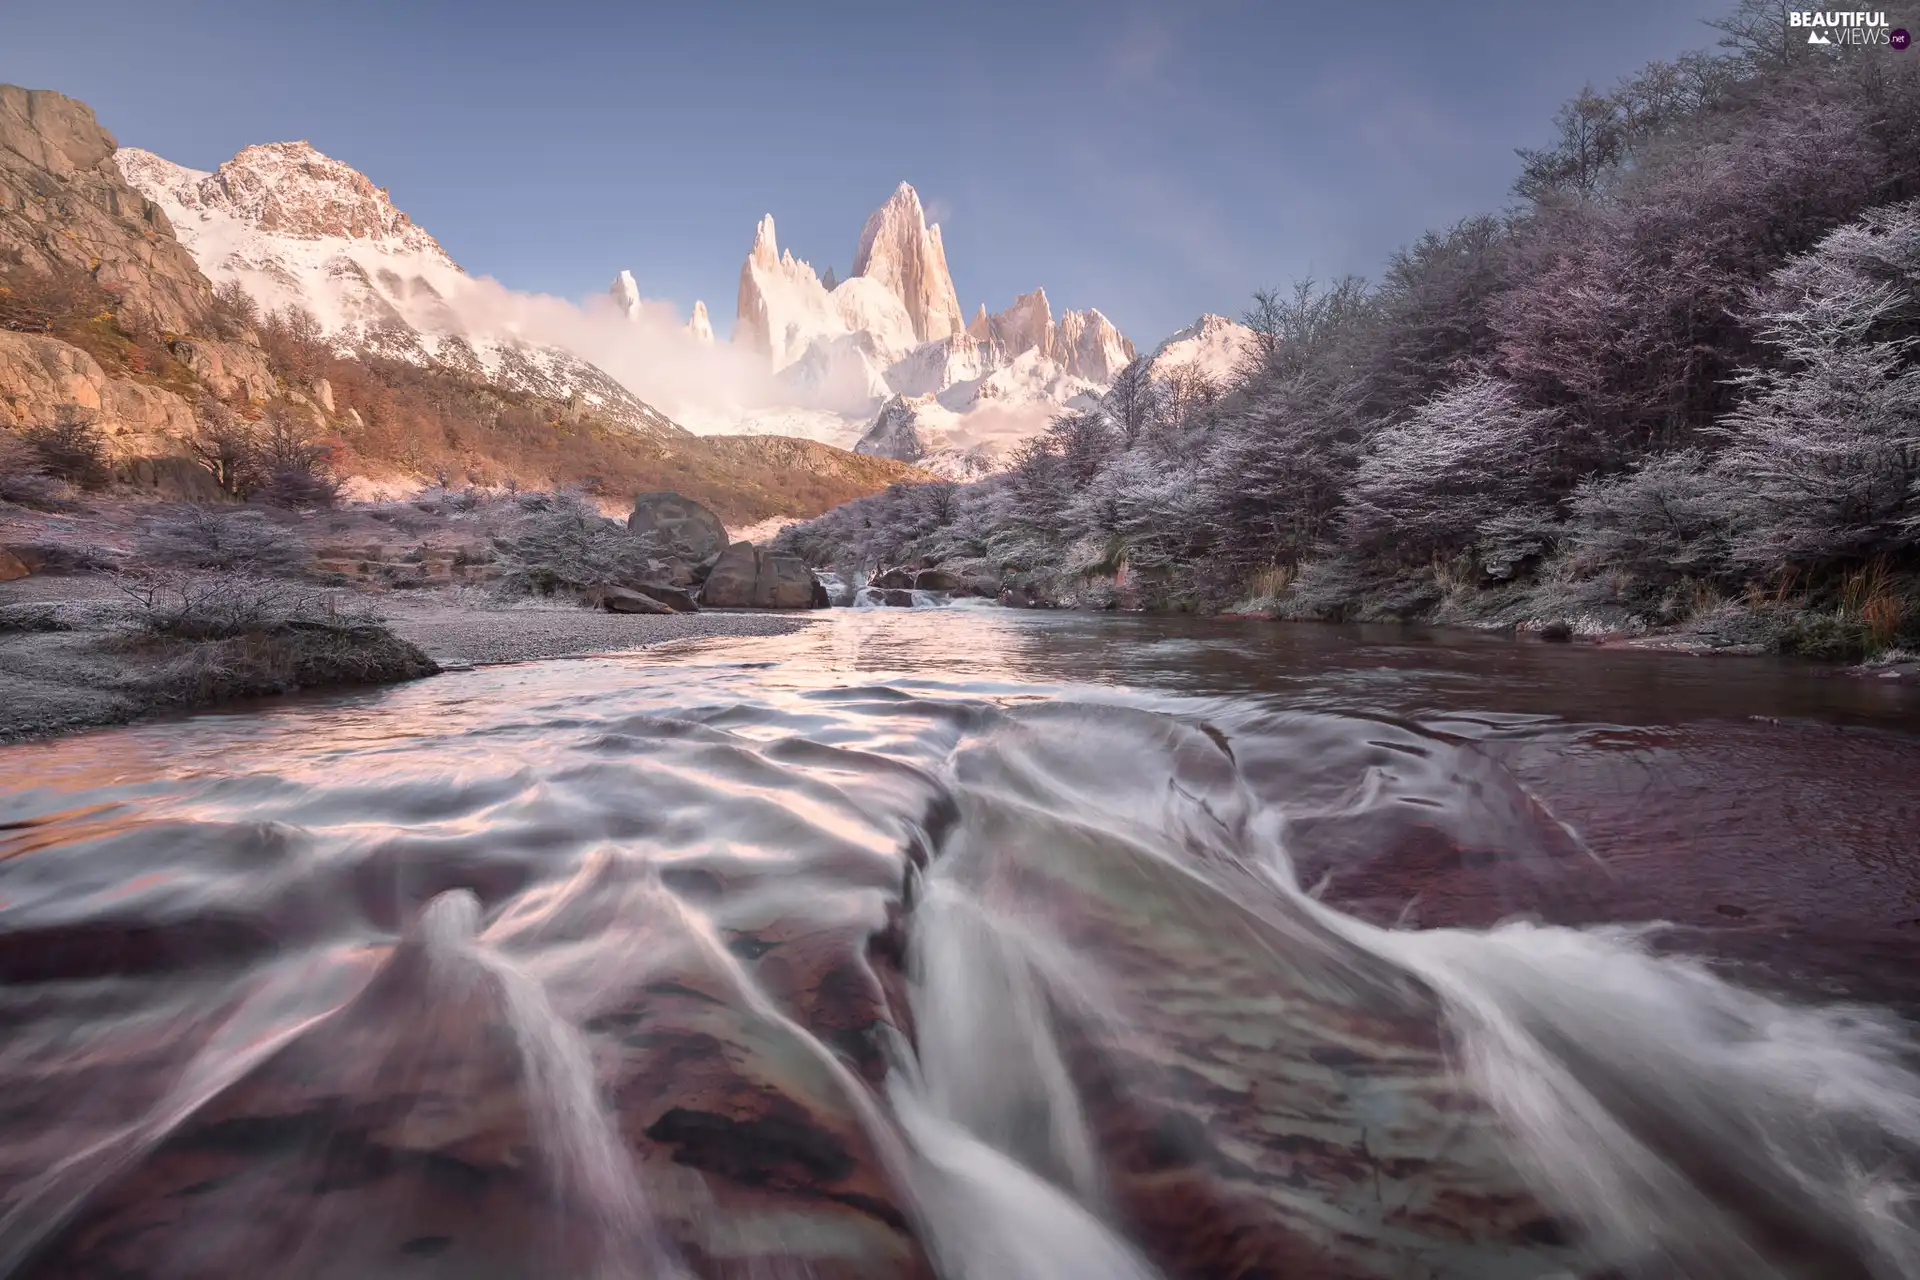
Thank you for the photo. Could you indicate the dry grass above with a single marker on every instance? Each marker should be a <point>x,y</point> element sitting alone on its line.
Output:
<point>296,656</point>
<point>1870,596</point>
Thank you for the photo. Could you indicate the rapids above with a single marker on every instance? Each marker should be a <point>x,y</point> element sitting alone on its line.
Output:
<point>977,944</point>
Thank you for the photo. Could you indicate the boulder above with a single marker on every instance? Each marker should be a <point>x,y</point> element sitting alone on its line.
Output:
<point>822,598</point>
<point>621,600</point>
<point>673,597</point>
<point>896,598</point>
<point>749,577</point>
<point>11,566</point>
<point>894,580</point>
<point>679,526</point>
<point>935,580</point>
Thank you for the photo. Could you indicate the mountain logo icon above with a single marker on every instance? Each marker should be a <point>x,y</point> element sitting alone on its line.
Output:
<point>1814,37</point>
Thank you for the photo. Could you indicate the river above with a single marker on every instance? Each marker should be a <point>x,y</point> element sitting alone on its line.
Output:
<point>979,944</point>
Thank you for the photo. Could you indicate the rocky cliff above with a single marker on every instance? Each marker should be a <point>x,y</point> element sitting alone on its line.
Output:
<point>901,252</point>
<point>63,203</point>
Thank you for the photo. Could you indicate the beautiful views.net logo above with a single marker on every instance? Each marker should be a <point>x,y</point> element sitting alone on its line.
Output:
<point>1848,28</point>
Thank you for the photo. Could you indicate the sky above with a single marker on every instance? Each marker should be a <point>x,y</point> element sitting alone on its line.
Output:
<point>1156,161</point>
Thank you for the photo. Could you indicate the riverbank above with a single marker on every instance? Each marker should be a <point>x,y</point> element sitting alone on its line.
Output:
<point>73,655</point>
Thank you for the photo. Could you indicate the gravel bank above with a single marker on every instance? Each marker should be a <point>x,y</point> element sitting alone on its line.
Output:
<point>457,633</point>
<point>54,682</point>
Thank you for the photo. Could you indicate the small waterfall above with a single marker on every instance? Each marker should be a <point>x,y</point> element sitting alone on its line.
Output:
<point>1681,1119</point>
<point>586,1156</point>
<point>989,1060</point>
<point>898,598</point>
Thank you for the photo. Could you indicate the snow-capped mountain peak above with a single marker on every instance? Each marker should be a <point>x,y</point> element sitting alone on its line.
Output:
<point>296,228</point>
<point>625,292</point>
<point>900,251</point>
<point>1212,345</point>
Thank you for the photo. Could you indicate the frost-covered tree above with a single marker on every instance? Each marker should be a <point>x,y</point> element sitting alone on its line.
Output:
<point>1135,403</point>
<point>1434,312</point>
<point>1825,445</point>
<point>1428,483</point>
<point>1670,518</point>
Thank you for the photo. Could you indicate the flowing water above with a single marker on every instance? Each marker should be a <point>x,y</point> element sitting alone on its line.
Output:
<point>965,942</point>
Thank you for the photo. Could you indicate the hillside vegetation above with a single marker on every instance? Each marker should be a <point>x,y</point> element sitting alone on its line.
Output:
<point>1674,385</point>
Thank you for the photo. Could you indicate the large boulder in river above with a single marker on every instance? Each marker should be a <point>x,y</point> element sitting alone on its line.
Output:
<point>678,525</point>
<point>750,577</point>
<point>936,580</point>
<point>893,580</point>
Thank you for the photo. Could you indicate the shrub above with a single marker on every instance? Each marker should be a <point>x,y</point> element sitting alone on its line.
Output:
<point>227,445</point>
<point>295,656</point>
<point>24,479</point>
<point>235,313</point>
<point>189,605</point>
<point>561,542</point>
<point>238,541</point>
<point>71,448</point>
<point>295,470</point>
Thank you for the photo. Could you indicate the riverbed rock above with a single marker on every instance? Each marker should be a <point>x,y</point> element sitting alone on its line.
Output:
<point>936,580</point>
<point>677,599</point>
<point>622,600</point>
<point>679,526</point>
<point>12,567</point>
<point>893,580</point>
<point>750,577</point>
<point>896,598</point>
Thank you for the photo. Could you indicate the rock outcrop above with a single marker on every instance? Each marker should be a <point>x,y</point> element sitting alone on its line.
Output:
<point>899,250</point>
<point>892,434</point>
<point>43,378</point>
<point>750,577</point>
<point>699,327</point>
<point>680,527</point>
<point>63,203</point>
<point>232,370</point>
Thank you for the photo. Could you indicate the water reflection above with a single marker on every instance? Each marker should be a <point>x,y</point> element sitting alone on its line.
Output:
<point>973,943</point>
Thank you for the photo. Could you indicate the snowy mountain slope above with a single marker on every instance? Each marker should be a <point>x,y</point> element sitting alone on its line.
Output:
<point>295,227</point>
<point>1214,345</point>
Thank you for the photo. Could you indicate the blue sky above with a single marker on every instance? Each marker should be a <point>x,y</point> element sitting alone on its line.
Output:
<point>1155,161</point>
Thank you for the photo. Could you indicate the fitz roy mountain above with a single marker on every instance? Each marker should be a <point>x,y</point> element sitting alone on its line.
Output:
<point>891,348</point>
<point>295,227</point>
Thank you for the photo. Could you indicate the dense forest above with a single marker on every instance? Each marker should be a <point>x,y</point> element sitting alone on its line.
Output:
<point>1674,384</point>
